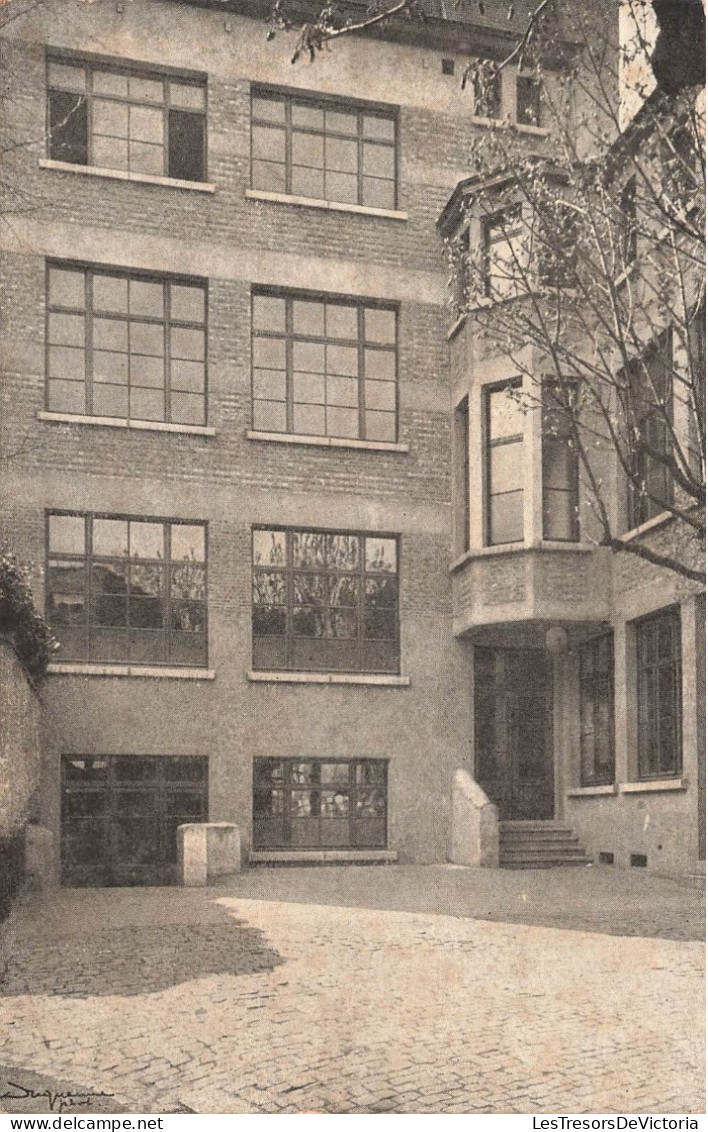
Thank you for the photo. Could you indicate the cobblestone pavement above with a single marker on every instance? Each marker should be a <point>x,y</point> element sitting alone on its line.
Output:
<point>318,1007</point>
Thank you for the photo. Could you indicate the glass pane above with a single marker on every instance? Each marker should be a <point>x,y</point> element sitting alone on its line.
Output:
<point>380,364</point>
<point>341,187</point>
<point>147,404</point>
<point>188,408</point>
<point>335,803</point>
<point>343,391</point>
<point>110,118</point>
<point>110,401</point>
<point>380,395</point>
<point>147,298</point>
<point>66,329</point>
<point>188,96</point>
<point>507,518</point>
<point>308,318</point>
<point>380,426</point>
<point>378,193</point>
<point>380,326</point>
<point>340,122</point>
<point>110,334</point>
<point>371,773</point>
<point>66,362</point>
<point>309,420</point>
<point>110,537</point>
<point>268,144</point>
<point>188,541</point>
<point>310,116</point>
<point>343,552</point>
<point>66,288</point>
<point>67,534</point>
<point>146,90</point>
<point>269,384</point>
<point>268,313</point>
<point>341,155</point>
<point>308,388</point>
<point>506,471</point>
<point>342,321</point>
<point>268,770</point>
<point>147,338</point>
<point>379,161</point>
<point>381,555</point>
<point>268,175</point>
<point>268,109</point>
<point>375,127</point>
<point>269,416</point>
<point>147,540</point>
<point>186,303</point>
<point>65,76</point>
<point>344,591</point>
<point>560,520</point>
<point>269,353</point>
<point>343,422</point>
<point>309,357</point>
<point>309,589</point>
<point>308,548</point>
<point>145,579</point>
<point>187,377</point>
<point>506,417</point>
<point>342,359</point>
<point>307,149</point>
<point>108,82</point>
<point>269,588</point>
<point>144,157</point>
<point>307,183</point>
<point>269,548</point>
<point>111,153</point>
<point>110,293</point>
<point>381,592</point>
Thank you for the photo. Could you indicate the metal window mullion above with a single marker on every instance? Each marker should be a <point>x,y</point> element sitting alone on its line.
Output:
<point>362,371</point>
<point>289,600</point>
<point>361,619</point>
<point>167,364</point>
<point>288,145</point>
<point>360,157</point>
<point>165,127</point>
<point>289,370</point>
<point>88,340</point>
<point>89,114</point>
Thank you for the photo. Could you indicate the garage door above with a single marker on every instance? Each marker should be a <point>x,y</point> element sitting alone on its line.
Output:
<point>120,815</point>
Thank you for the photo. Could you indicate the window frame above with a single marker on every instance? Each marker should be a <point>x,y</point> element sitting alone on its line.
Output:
<point>290,337</point>
<point>628,223</point>
<point>488,392</point>
<point>321,101</point>
<point>596,685</point>
<point>526,77</point>
<point>648,698</point>
<point>151,73</point>
<point>641,507</point>
<point>290,788</point>
<point>288,571</point>
<point>90,272</point>
<point>488,96</point>
<point>573,488</point>
<point>490,222</point>
<point>88,561</point>
<point>462,439</point>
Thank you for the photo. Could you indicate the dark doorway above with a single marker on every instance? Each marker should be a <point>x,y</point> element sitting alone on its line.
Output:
<point>513,721</point>
<point>120,815</point>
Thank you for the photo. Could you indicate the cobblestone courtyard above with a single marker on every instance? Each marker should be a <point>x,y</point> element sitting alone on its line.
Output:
<point>283,994</point>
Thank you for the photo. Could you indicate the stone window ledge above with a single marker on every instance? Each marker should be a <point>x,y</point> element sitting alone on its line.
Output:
<point>126,175</point>
<point>327,441</point>
<point>644,528</point>
<point>506,549</point>
<point>321,856</point>
<point>120,422</point>
<point>653,786</point>
<point>591,791</point>
<point>163,672</point>
<point>379,680</point>
<point>532,131</point>
<point>331,205</point>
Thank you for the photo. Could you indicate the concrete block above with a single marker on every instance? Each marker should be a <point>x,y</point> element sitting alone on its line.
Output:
<point>223,849</point>
<point>206,851</point>
<point>192,854</point>
<point>475,824</point>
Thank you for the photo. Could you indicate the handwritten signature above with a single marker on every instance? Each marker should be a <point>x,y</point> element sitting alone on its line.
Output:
<point>58,1102</point>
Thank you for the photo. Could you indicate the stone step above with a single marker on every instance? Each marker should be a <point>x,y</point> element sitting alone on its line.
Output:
<point>544,862</point>
<point>539,845</point>
<point>540,836</point>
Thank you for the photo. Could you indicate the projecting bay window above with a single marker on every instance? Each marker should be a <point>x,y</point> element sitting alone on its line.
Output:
<point>323,149</point>
<point>504,466</point>
<point>324,367</point>
<point>125,118</point>
<point>325,601</point>
<point>126,345</point>
<point>597,739</point>
<point>560,467</point>
<point>659,694</point>
<point>125,590</point>
<point>319,803</point>
<point>504,254</point>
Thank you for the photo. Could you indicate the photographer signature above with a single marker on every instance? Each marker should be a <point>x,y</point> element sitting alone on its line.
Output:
<point>57,1102</point>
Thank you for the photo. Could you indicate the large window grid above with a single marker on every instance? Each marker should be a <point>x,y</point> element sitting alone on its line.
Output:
<point>319,803</point>
<point>324,367</point>
<point>659,694</point>
<point>504,485</point>
<point>127,590</point>
<point>597,727</point>
<point>323,150</point>
<point>325,601</point>
<point>126,345</point>
<point>129,119</point>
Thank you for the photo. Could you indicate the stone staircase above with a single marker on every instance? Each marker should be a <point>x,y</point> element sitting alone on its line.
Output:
<point>539,845</point>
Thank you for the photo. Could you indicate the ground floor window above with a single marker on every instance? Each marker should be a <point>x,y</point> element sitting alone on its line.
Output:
<point>659,694</point>
<point>319,803</point>
<point>597,732</point>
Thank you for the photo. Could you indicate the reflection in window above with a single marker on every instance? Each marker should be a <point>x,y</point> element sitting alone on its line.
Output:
<point>597,724</point>
<point>126,346</point>
<point>504,472</point>
<point>560,465</point>
<point>319,803</point>
<point>127,590</point>
<point>325,601</point>
<point>528,100</point>
<point>659,677</point>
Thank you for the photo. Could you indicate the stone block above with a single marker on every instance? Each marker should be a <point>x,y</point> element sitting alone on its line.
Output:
<point>206,851</point>
<point>192,854</point>
<point>475,824</point>
<point>223,849</point>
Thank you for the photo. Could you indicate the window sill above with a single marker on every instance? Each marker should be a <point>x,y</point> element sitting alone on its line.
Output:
<point>532,131</point>
<point>126,175</point>
<point>157,672</point>
<point>321,856</point>
<point>456,327</point>
<point>653,786</point>
<point>327,441</point>
<point>644,528</point>
<point>544,547</point>
<point>331,205</point>
<point>119,422</point>
<point>379,680</point>
<point>591,791</point>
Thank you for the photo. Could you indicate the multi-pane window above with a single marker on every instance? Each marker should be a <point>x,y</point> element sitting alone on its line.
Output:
<point>337,151</point>
<point>127,590</point>
<point>650,412</point>
<point>324,367</point>
<point>560,466</point>
<point>528,100</point>
<point>659,700</point>
<point>487,89</point>
<point>461,440</point>
<point>128,119</point>
<point>319,803</point>
<point>505,254</point>
<point>597,728</point>
<point>504,466</point>
<point>325,601</point>
<point>125,345</point>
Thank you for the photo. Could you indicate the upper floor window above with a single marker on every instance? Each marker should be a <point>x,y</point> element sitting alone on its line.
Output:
<point>659,679</point>
<point>322,149</point>
<point>504,466</point>
<point>127,590</point>
<point>649,423</point>
<point>324,367</point>
<point>504,253</point>
<point>560,465</point>
<point>528,100</point>
<point>126,345</point>
<point>461,452</point>
<point>325,601</point>
<point>597,728</point>
<point>126,118</point>
<point>487,89</point>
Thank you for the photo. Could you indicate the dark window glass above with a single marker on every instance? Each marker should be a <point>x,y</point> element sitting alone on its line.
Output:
<point>319,803</point>
<point>126,346</point>
<point>325,601</point>
<point>127,590</point>
<point>504,466</point>
<point>560,466</point>
<point>528,100</point>
<point>462,475</point>
<point>121,118</point>
<point>628,224</point>
<point>597,728</point>
<point>487,89</point>
<point>649,413</point>
<point>659,700</point>
<point>327,151</point>
<point>324,367</point>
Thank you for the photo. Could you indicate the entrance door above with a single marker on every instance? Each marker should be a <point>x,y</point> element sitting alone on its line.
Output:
<point>513,714</point>
<point>120,815</point>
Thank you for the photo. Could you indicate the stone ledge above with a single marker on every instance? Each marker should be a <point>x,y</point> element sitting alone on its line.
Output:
<point>126,175</point>
<point>321,856</point>
<point>653,786</point>
<point>327,441</point>
<point>157,672</point>
<point>591,791</point>
<point>375,680</point>
<point>121,422</point>
<point>329,205</point>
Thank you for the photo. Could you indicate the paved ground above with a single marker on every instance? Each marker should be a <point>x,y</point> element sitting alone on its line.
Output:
<point>287,993</point>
